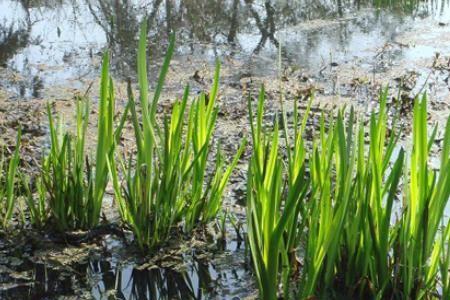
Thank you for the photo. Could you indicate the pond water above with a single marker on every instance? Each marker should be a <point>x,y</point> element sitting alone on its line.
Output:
<point>49,47</point>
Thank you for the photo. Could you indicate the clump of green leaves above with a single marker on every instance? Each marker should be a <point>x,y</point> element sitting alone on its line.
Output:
<point>67,186</point>
<point>74,188</point>
<point>275,201</point>
<point>168,184</point>
<point>38,212</point>
<point>350,240</point>
<point>426,196</point>
<point>354,188</point>
<point>8,182</point>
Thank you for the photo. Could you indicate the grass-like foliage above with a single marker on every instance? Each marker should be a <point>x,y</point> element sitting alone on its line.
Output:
<point>420,241</point>
<point>73,186</point>
<point>354,188</point>
<point>353,240</point>
<point>169,181</point>
<point>8,183</point>
<point>63,173</point>
<point>274,201</point>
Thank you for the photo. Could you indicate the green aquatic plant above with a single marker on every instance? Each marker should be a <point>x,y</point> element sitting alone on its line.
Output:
<point>74,188</point>
<point>8,182</point>
<point>444,264</point>
<point>372,175</point>
<point>353,239</point>
<point>332,165</point>
<point>204,199</point>
<point>426,196</point>
<point>167,183</point>
<point>37,204</point>
<point>63,173</point>
<point>376,253</point>
<point>274,202</point>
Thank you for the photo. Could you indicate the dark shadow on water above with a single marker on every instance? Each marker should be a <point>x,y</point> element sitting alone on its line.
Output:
<point>221,274</point>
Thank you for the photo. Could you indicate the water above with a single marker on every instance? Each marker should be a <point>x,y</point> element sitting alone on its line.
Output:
<point>117,272</point>
<point>51,48</point>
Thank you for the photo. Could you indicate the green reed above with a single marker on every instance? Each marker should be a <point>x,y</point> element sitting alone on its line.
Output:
<point>274,201</point>
<point>360,256</point>
<point>74,188</point>
<point>353,241</point>
<point>8,182</point>
<point>167,183</point>
<point>426,197</point>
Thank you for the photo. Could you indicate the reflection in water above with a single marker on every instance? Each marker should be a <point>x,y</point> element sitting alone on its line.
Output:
<point>47,282</point>
<point>127,282</point>
<point>266,28</point>
<point>12,39</point>
<point>111,276</point>
<point>15,36</point>
<point>59,41</point>
<point>120,23</point>
<point>131,283</point>
<point>223,276</point>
